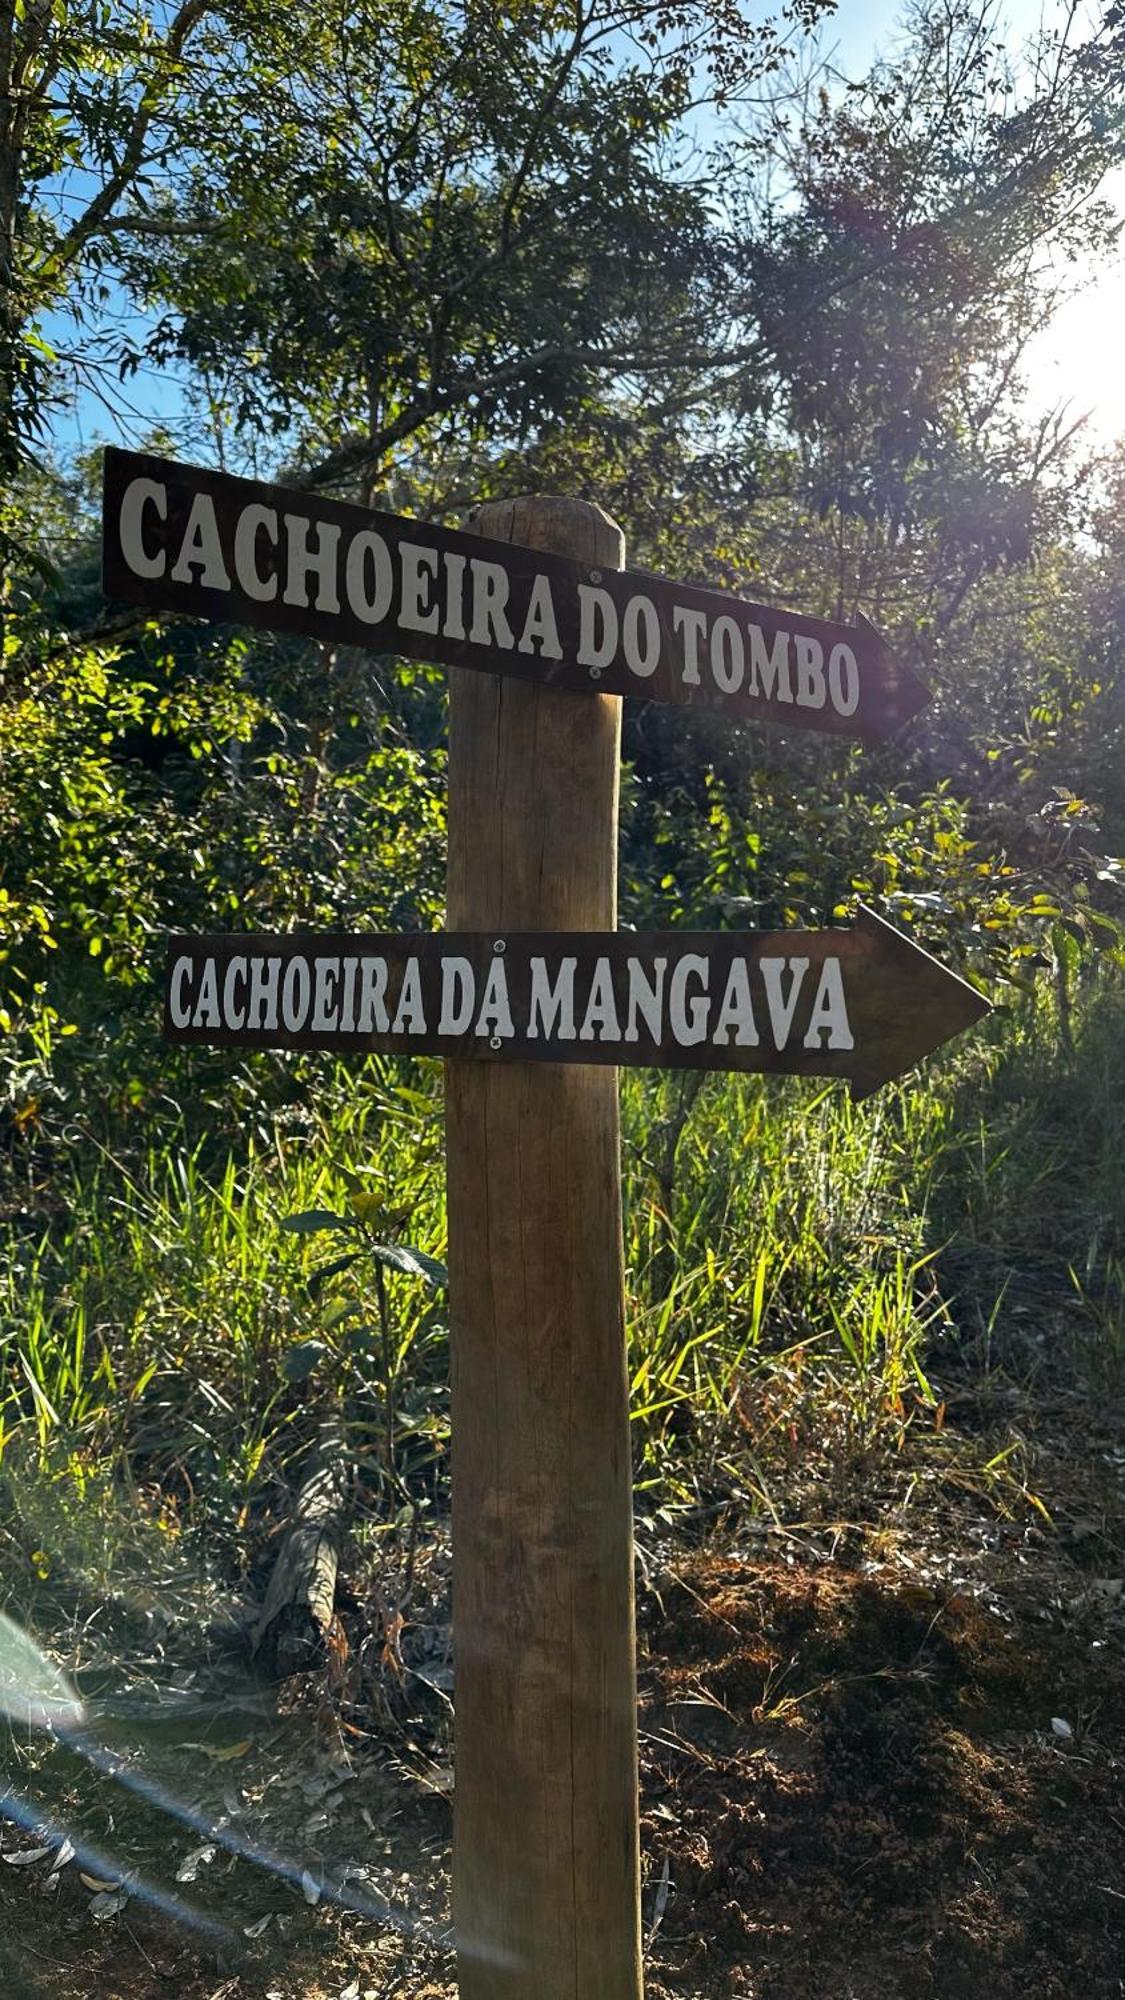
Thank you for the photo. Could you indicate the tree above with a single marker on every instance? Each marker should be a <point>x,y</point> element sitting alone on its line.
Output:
<point>91,94</point>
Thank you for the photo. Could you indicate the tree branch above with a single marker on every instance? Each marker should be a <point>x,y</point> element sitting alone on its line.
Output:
<point>155,225</point>
<point>361,452</point>
<point>99,211</point>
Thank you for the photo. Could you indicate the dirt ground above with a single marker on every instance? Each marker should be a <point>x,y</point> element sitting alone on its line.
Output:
<point>879,1760</point>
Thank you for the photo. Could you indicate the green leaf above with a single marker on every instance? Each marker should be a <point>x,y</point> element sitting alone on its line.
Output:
<point>311,1219</point>
<point>300,1361</point>
<point>401,1257</point>
<point>319,1278</point>
<point>1066,947</point>
<point>361,1342</point>
<point>344,1309</point>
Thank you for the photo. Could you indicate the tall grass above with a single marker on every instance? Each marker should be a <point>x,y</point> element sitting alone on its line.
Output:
<point>783,1294</point>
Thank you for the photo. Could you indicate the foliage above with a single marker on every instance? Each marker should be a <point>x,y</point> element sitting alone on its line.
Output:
<point>434,255</point>
<point>791,1309</point>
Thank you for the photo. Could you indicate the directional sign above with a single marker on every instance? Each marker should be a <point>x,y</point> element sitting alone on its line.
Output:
<point>864,1003</point>
<point>179,538</point>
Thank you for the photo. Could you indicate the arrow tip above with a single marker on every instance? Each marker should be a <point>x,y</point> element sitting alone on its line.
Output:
<point>902,692</point>
<point>914,1003</point>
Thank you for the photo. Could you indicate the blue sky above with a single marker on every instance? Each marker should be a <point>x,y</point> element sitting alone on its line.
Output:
<point>1075,362</point>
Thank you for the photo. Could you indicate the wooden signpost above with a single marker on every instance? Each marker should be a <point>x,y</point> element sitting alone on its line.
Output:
<point>534,998</point>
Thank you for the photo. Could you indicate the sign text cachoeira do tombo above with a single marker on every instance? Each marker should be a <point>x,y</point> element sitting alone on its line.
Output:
<point>181,538</point>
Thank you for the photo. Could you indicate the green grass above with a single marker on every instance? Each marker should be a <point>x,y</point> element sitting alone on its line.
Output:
<point>783,1250</point>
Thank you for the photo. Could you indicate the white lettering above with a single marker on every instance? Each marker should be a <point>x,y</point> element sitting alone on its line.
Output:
<point>490,596</point>
<point>410,1017</point>
<point>769,672</point>
<point>371,1014</point>
<point>234,1011</point>
<point>600,1023</point>
<point>251,522</point>
<point>646,997</point>
<point>139,494</point>
<point>641,657</point>
<point>495,1017</point>
<point>454,627</point>
<point>178,1008</point>
<point>843,680</point>
<point>809,655</point>
<point>347,1004</point>
<point>265,984</point>
<point>728,655</point>
<point>737,1010</point>
<point>596,648</point>
<point>693,625</point>
<point>207,1014</point>
<point>782,1010</point>
<point>325,1001</point>
<point>829,1014</point>
<point>303,562</point>
<point>419,568</point>
<point>688,1026</point>
<point>296,994</point>
<point>540,622</point>
<point>458,996</point>
<point>549,1005</point>
<point>201,545</point>
<point>368,553</point>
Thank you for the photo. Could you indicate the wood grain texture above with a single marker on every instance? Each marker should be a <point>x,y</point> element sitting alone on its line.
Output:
<point>546,1859</point>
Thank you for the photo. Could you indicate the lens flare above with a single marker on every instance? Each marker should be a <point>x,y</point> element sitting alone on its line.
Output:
<point>34,1693</point>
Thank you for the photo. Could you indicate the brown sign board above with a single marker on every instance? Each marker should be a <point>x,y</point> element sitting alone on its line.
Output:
<point>181,538</point>
<point>864,1003</point>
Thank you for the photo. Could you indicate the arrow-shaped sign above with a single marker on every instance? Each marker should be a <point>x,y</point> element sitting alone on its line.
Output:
<point>865,1003</point>
<point>180,538</point>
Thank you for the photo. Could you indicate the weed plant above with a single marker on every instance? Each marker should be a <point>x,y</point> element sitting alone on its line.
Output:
<point>787,1259</point>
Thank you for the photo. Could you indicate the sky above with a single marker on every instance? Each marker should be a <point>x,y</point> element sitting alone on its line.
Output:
<point>1075,363</point>
<point>1079,360</point>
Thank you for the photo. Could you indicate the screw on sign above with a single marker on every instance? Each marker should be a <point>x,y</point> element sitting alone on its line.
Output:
<point>535,999</point>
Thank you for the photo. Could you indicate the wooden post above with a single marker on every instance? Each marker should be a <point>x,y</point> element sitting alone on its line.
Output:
<point>546,1871</point>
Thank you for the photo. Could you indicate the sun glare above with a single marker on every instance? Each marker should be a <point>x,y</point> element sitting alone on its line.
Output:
<point>1078,361</point>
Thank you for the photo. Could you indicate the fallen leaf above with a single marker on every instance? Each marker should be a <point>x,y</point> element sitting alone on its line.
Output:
<point>1061,1727</point>
<point>28,1856</point>
<point>191,1863</point>
<point>311,1888</point>
<point>661,1902</point>
<point>92,1882</point>
<point>64,1855</point>
<point>109,1903</point>
<point>255,1930</point>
